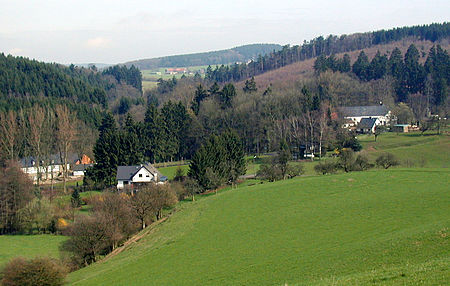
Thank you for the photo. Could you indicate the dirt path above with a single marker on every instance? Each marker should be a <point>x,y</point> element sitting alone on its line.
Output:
<point>134,239</point>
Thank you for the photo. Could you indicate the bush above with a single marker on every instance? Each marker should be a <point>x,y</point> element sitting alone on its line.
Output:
<point>37,271</point>
<point>179,174</point>
<point>326,168</point>
<point>362,163</point>
<point>346,160</point>
<point>386,160</point>
<point>294,170</point>
<point>269,172</point>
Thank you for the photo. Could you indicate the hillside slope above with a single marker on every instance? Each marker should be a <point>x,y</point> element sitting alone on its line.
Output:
<point>237,54</point>
<point>387,227</point>
<point>292,73</point>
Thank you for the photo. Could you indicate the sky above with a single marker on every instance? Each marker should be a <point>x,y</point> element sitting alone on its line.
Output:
<point>111,31</point>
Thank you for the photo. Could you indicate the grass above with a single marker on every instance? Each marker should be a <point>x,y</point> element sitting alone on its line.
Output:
<point>387,227</point>
<point>428,150</point>
<point>29,246</point>
<point>169,172</point>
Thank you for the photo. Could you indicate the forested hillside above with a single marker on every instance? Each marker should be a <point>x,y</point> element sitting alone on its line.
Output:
<point>25,83</point>
<point>237,54</point>
<point>325,46</point>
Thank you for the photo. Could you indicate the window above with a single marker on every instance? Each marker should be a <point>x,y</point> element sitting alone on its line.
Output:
<point>140,175</point>
<point>125,182</point>
<point>148,176</point>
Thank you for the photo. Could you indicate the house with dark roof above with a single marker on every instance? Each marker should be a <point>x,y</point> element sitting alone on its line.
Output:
<point>129,176</point>
<point>367,125</point>
<point>79,170</point>
<point>354,114</point>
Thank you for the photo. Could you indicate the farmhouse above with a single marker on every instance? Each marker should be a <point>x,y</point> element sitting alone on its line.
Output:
<point>79,170</point>
<point>354,114</point>
<point>129,176</point>
<point>367,125</point>
<point>48,168</point>
<point>52,167</point>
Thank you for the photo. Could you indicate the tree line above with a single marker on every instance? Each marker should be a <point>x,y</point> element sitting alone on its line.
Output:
<point>43,133</point>
<point>324,46</point>
<point>411,77</point>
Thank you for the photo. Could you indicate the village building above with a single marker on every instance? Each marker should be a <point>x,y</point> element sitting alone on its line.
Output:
<point>132,176</point>
<point>53,166</point>
<point>353,115</point>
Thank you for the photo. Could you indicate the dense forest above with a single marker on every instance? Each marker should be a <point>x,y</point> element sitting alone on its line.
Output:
<point>324,46</point>
<point>25,83</point>
<point>237,54</point>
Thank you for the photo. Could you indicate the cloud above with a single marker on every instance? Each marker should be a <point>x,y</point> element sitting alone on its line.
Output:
<point>15,51</point>
<point>98,43</point>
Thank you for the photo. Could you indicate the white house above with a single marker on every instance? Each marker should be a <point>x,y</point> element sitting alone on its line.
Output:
<point>368,125</point>
<point>48,169</point>
<point>140,174</point>
<point>354,114</point>
<point>79,170</point>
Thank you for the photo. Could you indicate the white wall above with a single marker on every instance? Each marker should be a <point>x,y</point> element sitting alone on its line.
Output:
<point>143,176</point>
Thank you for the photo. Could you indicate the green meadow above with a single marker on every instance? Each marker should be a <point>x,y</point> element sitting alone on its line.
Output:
<point>29,246</point>
<point>377,227</point>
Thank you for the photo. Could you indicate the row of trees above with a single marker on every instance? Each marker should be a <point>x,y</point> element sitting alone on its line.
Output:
<point>131,76</point>
<point>162,136</point>
<point>348,162</point>
<point>411,77</point>
<point>114,218</point>
<point>42,133</point>
<point>324,46</point>
<point>218,161</point>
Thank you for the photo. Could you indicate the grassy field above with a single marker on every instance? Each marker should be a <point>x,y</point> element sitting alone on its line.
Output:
<point>29,246</point>
<point>428,150</point>
<point>150,77</point>
<point>388,227</point>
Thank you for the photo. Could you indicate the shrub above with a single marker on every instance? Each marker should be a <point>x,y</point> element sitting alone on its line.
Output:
<point>326,168</point>
<point>179,174</point>
<point>269,172</point>
<point>386,160</point>
<point>346,159</point>
<point>362,163</point>
<point>294,170</point>
<point>37,271</point>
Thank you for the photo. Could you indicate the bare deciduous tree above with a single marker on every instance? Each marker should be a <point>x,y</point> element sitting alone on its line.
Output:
<point>36,122</point>
<point>9,132</point>
<point>65,135</point>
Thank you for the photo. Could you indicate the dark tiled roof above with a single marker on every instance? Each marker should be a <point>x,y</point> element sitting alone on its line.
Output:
<point>81,167</point>
<point>367,123</point>
<point>127,172</point>
<point>355,111</point>
<point>55,159</point>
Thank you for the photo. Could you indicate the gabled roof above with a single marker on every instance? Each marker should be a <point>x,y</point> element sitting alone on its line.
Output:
<point>81,167</point>
<point>54,159</point>
<point>127,172</point>
<point>367,123</point>
<point>356,111</point>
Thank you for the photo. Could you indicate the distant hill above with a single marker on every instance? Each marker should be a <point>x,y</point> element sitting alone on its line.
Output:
<point>237,54</point>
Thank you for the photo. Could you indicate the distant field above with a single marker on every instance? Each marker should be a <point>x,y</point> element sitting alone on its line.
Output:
<point>387,227</point>
<point>29,246</point>
<point>428,150</point>
<point>150,77</point>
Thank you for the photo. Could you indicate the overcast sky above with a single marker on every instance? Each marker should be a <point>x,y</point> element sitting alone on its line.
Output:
<point>110,31</point>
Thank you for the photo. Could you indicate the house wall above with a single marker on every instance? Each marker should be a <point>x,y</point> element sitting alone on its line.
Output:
<point>78,173</point>
<point>143,176</point>
<point>382,120</point>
